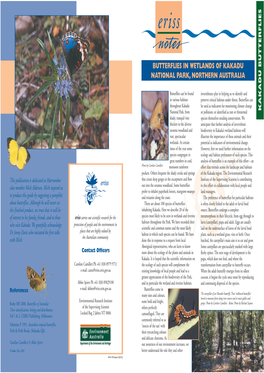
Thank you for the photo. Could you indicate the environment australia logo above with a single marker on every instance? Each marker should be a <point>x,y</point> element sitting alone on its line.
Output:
<point>95,334</point>
<point>91,189</point>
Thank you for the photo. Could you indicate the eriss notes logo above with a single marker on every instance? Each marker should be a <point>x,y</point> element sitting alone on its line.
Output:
<point>168,27</point>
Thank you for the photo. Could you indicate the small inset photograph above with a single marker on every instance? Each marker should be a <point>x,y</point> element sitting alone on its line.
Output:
<point>183,314</point>
<point>62,82</point>
<point>230,341</point>
<point>154,125</point>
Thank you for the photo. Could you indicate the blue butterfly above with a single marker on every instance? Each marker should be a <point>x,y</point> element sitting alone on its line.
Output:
<point>75,51</point>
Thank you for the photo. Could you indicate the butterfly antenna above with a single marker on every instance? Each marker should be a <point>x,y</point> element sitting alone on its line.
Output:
<point>172,306</point>
<point>67,23</point>
<point>182,299</point>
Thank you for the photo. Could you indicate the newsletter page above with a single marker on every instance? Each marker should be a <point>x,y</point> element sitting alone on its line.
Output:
<point>131,186</point>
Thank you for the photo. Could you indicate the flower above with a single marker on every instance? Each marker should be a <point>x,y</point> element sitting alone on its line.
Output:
<point>64,85</point>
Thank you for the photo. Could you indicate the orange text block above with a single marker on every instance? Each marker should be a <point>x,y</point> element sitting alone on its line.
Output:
<point>7,87</point>
<point>120,82</point>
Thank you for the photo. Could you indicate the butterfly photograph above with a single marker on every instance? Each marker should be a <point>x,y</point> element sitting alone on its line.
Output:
<point>37,282</point>
<point>154,125</point>
<point>62,82</point>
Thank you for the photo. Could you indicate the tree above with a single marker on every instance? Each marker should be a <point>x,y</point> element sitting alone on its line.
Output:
<point>220,332</point>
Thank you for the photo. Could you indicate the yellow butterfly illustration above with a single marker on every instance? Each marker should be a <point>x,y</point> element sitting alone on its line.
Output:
<point>35,281</point>
<point>18,156</point>
<point>157,117</point>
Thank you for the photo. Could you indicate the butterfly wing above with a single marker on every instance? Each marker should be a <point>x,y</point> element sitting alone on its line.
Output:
<point>43,273</point>
<point>75,51</point>
<point>34,278</point>
<point>12,148</point>
<point>18,156</point>
<point>157,117</point>
<point>23,158</point>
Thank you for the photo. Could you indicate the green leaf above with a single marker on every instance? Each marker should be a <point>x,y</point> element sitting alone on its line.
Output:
<point>40,90</point>
<point>55,144</point>
<point>40,64</point>
<point>36,137</point>
<point>61,116</point>
<point>86,102</point>
<point>46,52</point>
<point>22,137</point>
<point>67,120</point>
<point>46,111</point>
<point>40,117</point>
<point>47,23</point>
<point>54,122</point>
<point>92,61</point>
<point>95,111</point>
<point>51,44</point>
<point>48,78</point>
<point>48,124</point>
